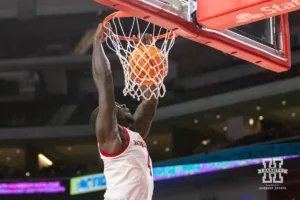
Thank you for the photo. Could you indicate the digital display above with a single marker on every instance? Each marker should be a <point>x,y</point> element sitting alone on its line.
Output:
<point>85,184</point>
<point>96,182</point>
<point>170,172</point>
<point>32,188</point>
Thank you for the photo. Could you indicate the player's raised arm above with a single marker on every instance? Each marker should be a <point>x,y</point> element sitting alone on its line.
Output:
<point>145,112</point>
<point>144,116</point>
<point>106,122</point>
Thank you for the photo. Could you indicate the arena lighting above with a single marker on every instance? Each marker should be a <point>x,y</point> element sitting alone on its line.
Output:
<point>31,188</point>
<point>261,118</point>
<point>97,182</point>
<point>204,142</point>
<point>251,121</point>
<point>45,160</point>
<point>258,108</point>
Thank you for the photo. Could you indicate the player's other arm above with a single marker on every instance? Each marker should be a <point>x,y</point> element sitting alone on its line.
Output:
<point>144,115</point>
<point>106,122</point>
<point>145,112</point>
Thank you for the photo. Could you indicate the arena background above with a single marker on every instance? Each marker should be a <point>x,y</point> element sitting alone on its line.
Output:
<point>217,109</point>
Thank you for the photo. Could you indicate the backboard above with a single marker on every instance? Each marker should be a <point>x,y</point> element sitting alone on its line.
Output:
<point>264,43</point>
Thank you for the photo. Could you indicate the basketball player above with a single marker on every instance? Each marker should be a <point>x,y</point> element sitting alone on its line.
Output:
<point>127,164</point>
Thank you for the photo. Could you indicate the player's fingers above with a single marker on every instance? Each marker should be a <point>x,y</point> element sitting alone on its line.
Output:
<point>134,36</point>
<point>150,38</point>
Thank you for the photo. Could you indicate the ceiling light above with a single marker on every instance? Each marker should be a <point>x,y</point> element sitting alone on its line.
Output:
<point>293,114</point>
<point>218,116</point>
<point>18,151</point>
<point>196,121</point>
<point>205,142</point>
<point>167,149</point>
<point>258,108</point>
<point>8,158</point>
<point>43,159</point>
<point>251,121</point>
<point>283,102</point>
<point>261,118</point>
<point>155,142</point>
<point>27,174</point>
<point>225,128</point>
<point>69,148</point>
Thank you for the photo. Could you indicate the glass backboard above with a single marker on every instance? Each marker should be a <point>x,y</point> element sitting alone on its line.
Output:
<point>264,43</point>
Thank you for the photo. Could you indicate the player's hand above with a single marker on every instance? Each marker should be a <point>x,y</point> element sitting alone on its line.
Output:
<point>145,39</point>
<point>101,33</point>
<point>147,91</point>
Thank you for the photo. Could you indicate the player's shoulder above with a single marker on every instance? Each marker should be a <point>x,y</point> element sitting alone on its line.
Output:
<point>132,132</point>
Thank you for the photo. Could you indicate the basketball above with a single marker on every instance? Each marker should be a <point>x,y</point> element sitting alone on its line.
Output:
<point>147,65</point>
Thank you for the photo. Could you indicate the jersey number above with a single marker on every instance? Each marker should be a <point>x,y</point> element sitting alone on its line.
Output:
<point>149,165</point>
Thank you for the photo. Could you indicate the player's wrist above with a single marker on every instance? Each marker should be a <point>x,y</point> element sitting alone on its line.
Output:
<point>98,40</point>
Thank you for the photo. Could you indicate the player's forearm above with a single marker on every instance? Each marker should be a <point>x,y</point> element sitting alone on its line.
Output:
<point>149,108</point>
<point>103,79</point>
<point>106,126</point>
<point>144,116</point>
<point>101,64</point>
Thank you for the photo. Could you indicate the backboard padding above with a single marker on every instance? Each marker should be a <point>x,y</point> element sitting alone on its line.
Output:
<point>161,17</point>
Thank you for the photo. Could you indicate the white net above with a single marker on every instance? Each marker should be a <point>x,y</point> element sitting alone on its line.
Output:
<point>145,62</point>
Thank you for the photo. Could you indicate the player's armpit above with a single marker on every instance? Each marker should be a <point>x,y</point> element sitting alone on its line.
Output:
<point>144,115</point>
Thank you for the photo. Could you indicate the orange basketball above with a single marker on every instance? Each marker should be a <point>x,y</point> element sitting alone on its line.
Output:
<point>147,65</point>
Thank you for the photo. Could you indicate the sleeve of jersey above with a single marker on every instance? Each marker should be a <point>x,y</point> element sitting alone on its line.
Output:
<point>123,148</point>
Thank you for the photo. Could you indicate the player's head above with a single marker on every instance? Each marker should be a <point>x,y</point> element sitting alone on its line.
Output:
<point>124,117</point>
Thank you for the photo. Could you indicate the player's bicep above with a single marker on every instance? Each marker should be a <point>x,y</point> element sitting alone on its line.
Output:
<point>107,135</point>
<point>106,124</point>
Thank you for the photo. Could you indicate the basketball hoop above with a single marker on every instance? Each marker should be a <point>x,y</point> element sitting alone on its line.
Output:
<point>145,65</point>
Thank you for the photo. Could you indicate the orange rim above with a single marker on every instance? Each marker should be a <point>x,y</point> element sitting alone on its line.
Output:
<point>121,14</point>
